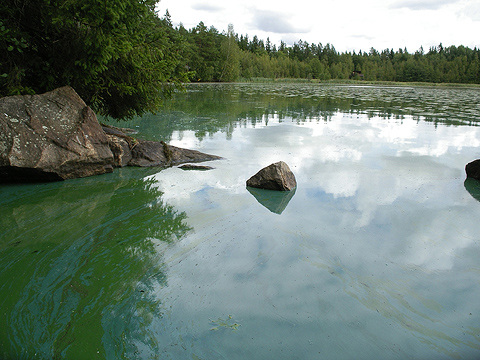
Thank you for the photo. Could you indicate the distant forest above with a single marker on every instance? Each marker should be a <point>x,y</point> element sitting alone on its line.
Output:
<point>209,56</point>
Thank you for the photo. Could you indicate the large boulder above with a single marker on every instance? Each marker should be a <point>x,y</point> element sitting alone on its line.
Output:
<point>56,136</point>
<point>52,136</point>
<point>277,176</point>
<point>473,169</point>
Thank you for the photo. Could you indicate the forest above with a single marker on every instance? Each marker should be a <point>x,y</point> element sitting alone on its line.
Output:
<point>213,56</point>
<point>124,59</point>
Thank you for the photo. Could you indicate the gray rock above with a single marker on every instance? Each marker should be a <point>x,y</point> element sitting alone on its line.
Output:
<point>152,153</point>
<point>195,167</point>
<point>120,148</point>
<point>56,136</point>
<point>277,176</point>
<point>473,169</point>
<point>180,156</point>
<point>52,136</point>
<point>129,151</point>
<point>149,153</point>
<point>108,129</point>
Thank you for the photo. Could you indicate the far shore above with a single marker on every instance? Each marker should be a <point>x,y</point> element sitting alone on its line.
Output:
<point>340,82</point>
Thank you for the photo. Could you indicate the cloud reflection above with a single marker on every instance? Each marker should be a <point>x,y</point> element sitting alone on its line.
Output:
<point>377,245</point>
<point>381,174</point>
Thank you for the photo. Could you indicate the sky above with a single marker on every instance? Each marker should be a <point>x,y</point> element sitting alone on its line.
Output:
<point>346,24</point>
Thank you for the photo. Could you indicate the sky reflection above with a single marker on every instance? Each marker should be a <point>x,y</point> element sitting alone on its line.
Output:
<point>372,252</point>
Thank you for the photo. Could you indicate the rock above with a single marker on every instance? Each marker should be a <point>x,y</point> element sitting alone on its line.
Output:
<point>473,169</point>
<point>56,136</point>
<point>195,167</point>
<point>277,176</point>
<point>152,153</point>
<point>180,156</point>
<point>119,130</point>
<point>120,148</point>
<point>52,136</point>
<point>149,153</point>
<point>128,151</point>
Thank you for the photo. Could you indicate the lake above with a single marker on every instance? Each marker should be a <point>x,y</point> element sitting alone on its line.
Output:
<point>373,256</point>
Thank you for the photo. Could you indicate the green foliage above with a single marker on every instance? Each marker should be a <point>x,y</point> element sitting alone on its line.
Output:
<point>229,57</point>
<point>209,50</point>
<point>118,55</point>
<point>204,53</point>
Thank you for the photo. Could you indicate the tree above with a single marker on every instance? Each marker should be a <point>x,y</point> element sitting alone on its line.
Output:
<point>230,57</point>
<point>118,55</point>
<point>268,46</point>
<point>473,73</point>
<point>205,43</point>
<point>243,42</point>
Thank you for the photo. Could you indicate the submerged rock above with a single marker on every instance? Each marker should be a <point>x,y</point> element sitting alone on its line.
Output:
<point>56,136</point>
<point>277,176</point>
<point>473,169</point>
<point>195,167</point>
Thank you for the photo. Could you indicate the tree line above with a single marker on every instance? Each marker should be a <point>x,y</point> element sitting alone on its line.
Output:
<point>124,59</point>
<point>213,56</point>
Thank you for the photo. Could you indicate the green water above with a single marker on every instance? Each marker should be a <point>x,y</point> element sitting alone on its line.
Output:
<point>374,256</point>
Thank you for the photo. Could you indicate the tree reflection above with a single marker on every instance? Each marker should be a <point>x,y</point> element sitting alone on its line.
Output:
<point>81,262</point>
<point>210,108</point>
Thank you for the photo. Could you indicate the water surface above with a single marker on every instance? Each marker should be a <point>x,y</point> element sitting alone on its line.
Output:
<point>375,254</point>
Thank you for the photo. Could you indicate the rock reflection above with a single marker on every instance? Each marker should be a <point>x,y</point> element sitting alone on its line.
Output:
<point>275,201</point>
<point>89,253</point>
<point>473,188</point>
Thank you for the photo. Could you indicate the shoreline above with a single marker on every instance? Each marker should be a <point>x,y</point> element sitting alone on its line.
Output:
<point>341,82</point>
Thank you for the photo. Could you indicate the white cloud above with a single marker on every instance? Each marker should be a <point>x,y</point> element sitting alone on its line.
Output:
<point>275,22</point>
<point>422,5</point>
<point>471,11</point>
<point>206,7</point>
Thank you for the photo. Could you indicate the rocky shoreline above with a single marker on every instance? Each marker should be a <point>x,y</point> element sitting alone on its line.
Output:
<point>55,136</point>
